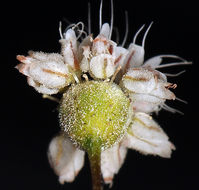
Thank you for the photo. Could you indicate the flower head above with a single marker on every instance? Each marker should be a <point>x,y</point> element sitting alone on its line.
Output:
<point>109,93</point>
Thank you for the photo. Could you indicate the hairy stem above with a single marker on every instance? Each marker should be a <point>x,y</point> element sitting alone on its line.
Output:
<point>95,165</point>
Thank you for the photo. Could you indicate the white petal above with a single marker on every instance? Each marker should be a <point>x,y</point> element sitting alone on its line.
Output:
<point>47,73</point>
<point>150,82</point>
<point>105,30</point>
<point>84,49</point>
<point>139,81</point>
<point>41,88</point>
<point>111,161</point>
<point>86,53</point>
<point>87,41</point>
<point>135,58</point>
<point>71,37</point>
<point>153,62</point>
<point>84,65</point>
<point>69,49</point>
<point>41,56</point>
<point>161,76</point>
<point>146,136</point>
<point>120,54</point>
<point>65,159</point>
<point>162,92</point>
<point>146,103</point>
<point>102,66</point>
<point>24,66</point>
<point>25,60</point>
<point>68,54</point>
<point>102,45</point>
<point>51,74</point>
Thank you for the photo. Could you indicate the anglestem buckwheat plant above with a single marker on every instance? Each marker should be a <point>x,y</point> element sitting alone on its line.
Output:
<point>109,93</point>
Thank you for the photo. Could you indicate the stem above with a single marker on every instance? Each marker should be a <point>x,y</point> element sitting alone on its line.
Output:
<point>95,165</point>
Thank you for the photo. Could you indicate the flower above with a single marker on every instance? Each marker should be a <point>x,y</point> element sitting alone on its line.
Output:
<point>47,73</point>
<point>99,77</point>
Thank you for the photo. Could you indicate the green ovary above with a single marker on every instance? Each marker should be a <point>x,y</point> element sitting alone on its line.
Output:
<point>94,114</point>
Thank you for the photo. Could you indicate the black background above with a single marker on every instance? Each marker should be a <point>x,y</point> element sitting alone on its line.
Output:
<point>28,122</point>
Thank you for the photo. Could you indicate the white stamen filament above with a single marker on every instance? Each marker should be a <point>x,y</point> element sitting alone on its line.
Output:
<point>117,40</point>
<point>112,17</point>
<point>181,100</point>
<point>100,15</point>
<point>145,34</point>
<point>137,33</point>
<point>89,18</point>
<point>45,96</point>
<point>171,56</point>
<point>172,110</point>
<point>176,74</point>
<point>127,29</point>
<point>60,30</point>
<point>80,31</point>
<point>173,64</point>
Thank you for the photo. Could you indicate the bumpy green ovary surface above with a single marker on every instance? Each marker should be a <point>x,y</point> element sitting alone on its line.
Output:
<point>94,114</point>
